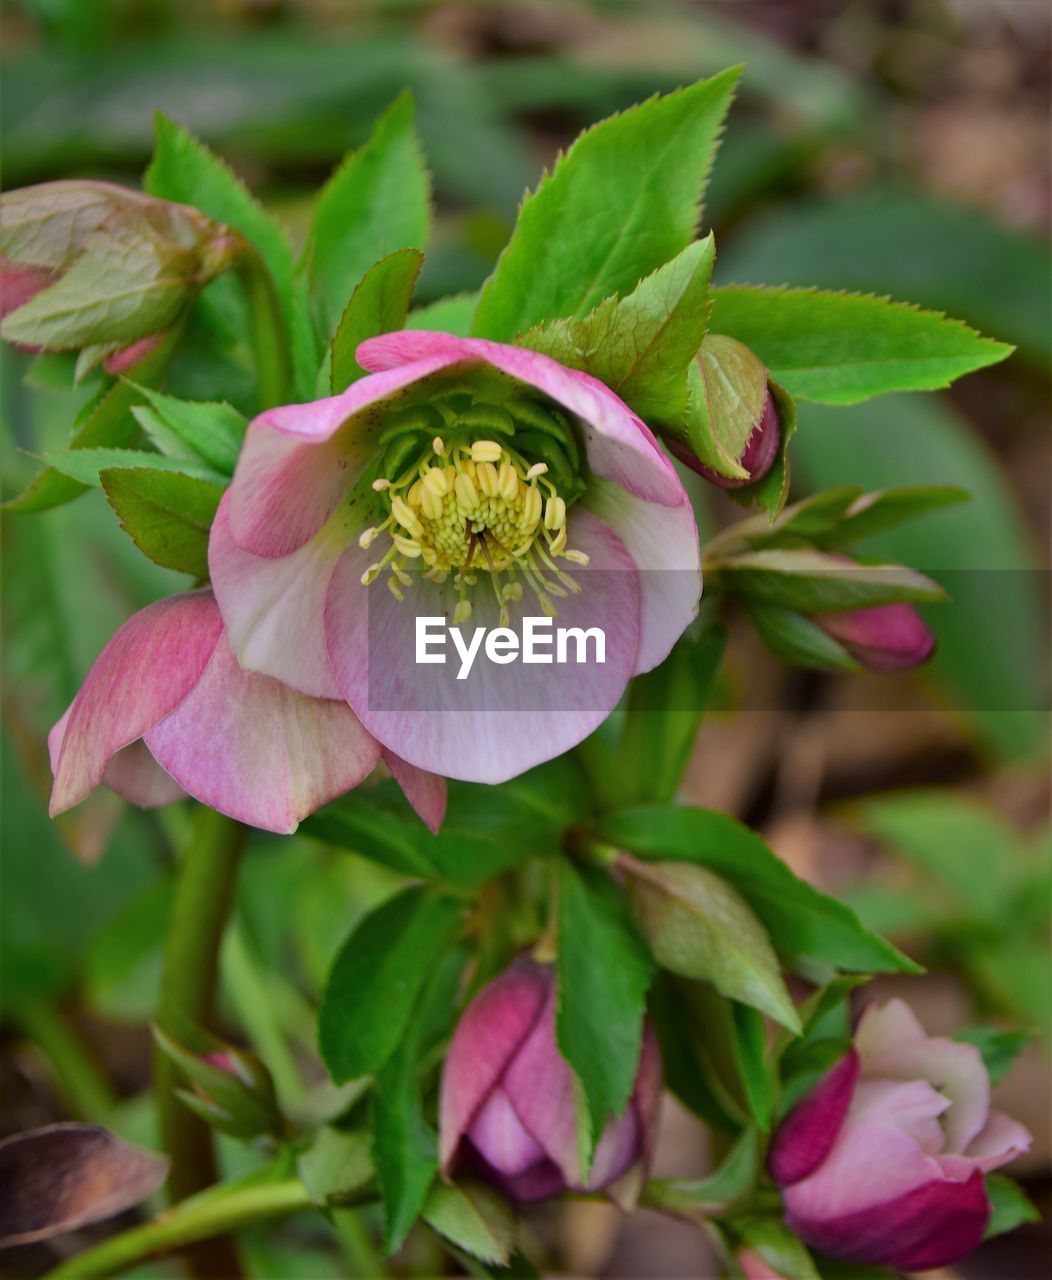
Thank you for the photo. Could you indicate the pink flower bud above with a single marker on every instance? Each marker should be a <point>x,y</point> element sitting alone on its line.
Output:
<point>17,285</point>
<point>883,1162</point>
<point>128,357</point>
<point>761,449</point>
<point>886,637</point>
<point>507,1104</point>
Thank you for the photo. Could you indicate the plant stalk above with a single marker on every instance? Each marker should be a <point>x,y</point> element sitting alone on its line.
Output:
<point>204,896</point>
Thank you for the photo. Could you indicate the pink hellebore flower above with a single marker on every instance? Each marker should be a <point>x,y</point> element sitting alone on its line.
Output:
<point>493,481</point>
<point>507,1101</point>
<point>166,710</point>
<point>883,1161</point>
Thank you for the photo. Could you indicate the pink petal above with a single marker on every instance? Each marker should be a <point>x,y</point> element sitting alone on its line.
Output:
<point>619,445</point>
<point>257,750</point>
<point>426,792</point>
<point>540,1085</point>
<point>134,774</point>
<point>912,1106</point>
<point>894,1045</point>
<point>1001,1139</point>
<point>663,542</point>
<point>299,460</point>
<point>485,1041</point>
<point>617,1150</point>
<point>143,674</point>
<point>498,1135</point>
<point>536,1183</point>
<point>808,1132</point>
<point>501,720</point>
<point>933,1225</point>
<point>273,609</point>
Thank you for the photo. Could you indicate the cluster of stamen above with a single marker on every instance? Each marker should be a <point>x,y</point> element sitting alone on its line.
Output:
<point>462,503</point>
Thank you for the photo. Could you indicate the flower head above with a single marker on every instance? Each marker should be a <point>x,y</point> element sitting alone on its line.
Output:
<point>166,710</point>
<point>473,481</point>
<point>507,1100</point>
<point>882,1162</point>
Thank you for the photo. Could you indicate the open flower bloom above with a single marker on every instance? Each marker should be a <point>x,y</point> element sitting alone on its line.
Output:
<point>166,710</point>
<point>470,481</point>
<point>883,1161</point>
<point>507,1100</point>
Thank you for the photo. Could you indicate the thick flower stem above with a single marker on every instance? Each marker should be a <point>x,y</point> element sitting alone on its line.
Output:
<point>204,1218</point>
<point>270,345</point>
<point>204,895</point>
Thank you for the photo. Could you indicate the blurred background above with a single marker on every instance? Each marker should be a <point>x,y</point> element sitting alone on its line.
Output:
<point>893,146</point>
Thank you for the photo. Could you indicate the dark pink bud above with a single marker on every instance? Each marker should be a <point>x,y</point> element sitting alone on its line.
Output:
<point>761,449</point>
<point>886,637</point>
<point>17,286</point>
<point>128,357</point>
<point>221,1060</point>
<point>507,1102</point>
<point>883,1162</point>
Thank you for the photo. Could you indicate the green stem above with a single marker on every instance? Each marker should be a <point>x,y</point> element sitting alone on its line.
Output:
<point>269,337</point>
<point>203,1218</point>
<point>204,896</point>
<point>361,1255</point>
<point>78,1076</point>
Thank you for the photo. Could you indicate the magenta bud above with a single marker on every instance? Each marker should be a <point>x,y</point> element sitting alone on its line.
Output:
<point>127,358</point>
<point>885,637</point>
<point>761,449</point>
<point>507,1099</point>
<point>882,1162</point>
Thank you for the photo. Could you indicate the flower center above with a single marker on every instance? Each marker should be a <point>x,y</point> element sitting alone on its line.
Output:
<point>472,487</point>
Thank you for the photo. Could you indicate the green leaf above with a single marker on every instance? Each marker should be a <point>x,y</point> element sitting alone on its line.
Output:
<point>772,490</point>
<point>806,927</point>
<point>86,465</point>
<point>641,345</point>
<point>1010,1204</point>
<point>706,1197</point>
<point>983,551</point>
<point>872,513</point>
<point>448,315</point>
<point>699,927</point>
<point>475,1218</point>
<point>405,1147</point>
<point>167,514</point>
<point>379,304</point>
<point>777,1246</point>
<point>728,390</point>
<point>814,582</point>
<point>335,1165</point>
<point>665,708</point>
<point>183,169</point>
<point>749,1049</point>
<point>999,1048</point>
<point>106,422</point>
<point>683,1057</point>
<point>119,290</point>
<point>619,204</point>
<point>213,432</point>
<point>375,980</point>
<point>798,640</point>
<point>377,201</point>
<point>604,972</point>
<point>840,348</point>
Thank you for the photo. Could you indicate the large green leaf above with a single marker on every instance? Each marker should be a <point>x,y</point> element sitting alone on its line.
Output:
<point>377,201</point>
<point>841,348</point>
<point>183,169</point>
<point>379,304</point>
<point>910,244</point>
<point>376,978</point>
<point>212,432</point>
<point>405,1147</point>
<point>619,204</point>
<point>815,582</point>
<point>641,345</point>
<point>981,551</point>
<point>604,972</point>
<point>167,514</point>
<point>806,926</point>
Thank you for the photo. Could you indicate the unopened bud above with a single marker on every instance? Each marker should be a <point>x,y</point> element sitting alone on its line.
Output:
<point>761,449</point>
<point>886,637</point>
<point>123,361</point>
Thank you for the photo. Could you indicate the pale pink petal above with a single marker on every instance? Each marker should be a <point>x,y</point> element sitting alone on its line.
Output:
<point>498,1135</point>
<point>912,1106</point>
<point>258,751</point>
<point>893,1044</point>
<point>663,542</point>
<point>1001,1140</point>
<point>143,674</point>
<point>426,792</point>
<point>617,1150</point>
<point>501,720</point>
<point>620,446</point>
<point>273,609</point>
<point>134,774</point>
<point>485,1041</point>
<point>299,460</point>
